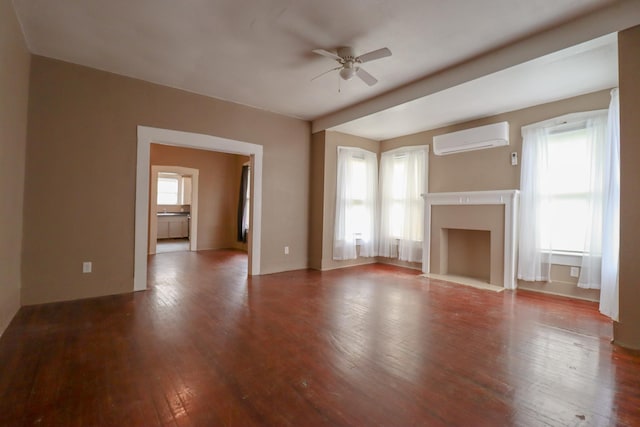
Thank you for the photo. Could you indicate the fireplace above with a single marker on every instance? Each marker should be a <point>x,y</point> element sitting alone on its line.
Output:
<point>466,253</point>
<point>472,234</point>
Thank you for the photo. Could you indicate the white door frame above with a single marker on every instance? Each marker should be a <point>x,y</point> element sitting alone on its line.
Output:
<point>153,204</point>
<point>148,135</point>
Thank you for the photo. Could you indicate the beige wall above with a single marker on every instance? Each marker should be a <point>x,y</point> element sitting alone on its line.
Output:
<point>81,155</point>
<point>316,200</point>
<point>332,141</point>
<point>562,284</point>
<point>14,92</point>
<point>627,331</point>
<point>218,187</point>
<point>491,169</point>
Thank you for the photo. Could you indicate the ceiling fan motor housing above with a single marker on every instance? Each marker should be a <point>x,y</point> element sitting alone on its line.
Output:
<point>349,63</point>
<point>346,53</point>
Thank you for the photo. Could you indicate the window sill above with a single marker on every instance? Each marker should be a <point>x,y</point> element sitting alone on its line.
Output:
<point>572,259</point>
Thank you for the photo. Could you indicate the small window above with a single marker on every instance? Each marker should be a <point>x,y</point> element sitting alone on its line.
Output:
<point>173,189</point>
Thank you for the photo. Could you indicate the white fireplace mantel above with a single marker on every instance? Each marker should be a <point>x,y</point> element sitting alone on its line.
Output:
<point>508,198</point>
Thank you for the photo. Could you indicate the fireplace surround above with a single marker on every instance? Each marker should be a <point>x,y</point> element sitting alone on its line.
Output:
<point>494,211</point>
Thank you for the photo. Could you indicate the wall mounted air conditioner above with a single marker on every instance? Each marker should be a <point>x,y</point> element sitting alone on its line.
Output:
<point>489,136</point>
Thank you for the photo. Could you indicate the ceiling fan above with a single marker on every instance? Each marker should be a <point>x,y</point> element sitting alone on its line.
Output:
<point>350,64</point>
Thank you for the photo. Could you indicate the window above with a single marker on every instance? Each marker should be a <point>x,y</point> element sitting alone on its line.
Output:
<point>355,203</point>
<point>569,189</point>
<point>173,189</point>
<point>561,201</point>
<point>168,188</point>
<point>402,182</point>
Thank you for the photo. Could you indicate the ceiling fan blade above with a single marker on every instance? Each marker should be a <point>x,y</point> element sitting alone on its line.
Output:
<point>366,77</point>
<point>328,54</point>
<point>373,55</point>
<point>326,72</point>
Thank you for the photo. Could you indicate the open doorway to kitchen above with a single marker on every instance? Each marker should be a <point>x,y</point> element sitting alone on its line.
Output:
<point>173,208</point>
<point>148,136</point>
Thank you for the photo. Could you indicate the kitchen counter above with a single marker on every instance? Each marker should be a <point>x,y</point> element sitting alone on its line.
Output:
<point>173,213</point>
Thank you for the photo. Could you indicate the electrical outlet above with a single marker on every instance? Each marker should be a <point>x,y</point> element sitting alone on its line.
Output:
<point>514,158</point>
<point>575,272</point>
<point>87,266</point>
<point>286,250</point>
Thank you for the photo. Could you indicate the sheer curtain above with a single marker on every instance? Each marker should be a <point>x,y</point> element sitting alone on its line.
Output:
<point>356,189</point>
<point>534,262</point>
<point>542,201</point>
<point>590,273</point>
<point>611,215</point>
<point>402,181</point>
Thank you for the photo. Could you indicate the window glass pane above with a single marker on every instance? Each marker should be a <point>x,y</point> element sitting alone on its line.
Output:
<point>568,167</point>
<point>357,220</point>
<point>168,190</point>
<point>399,179</point>
<point>569,224</point>
<point>567,178</point>
<point>396,214</point>
<point>358,180</point>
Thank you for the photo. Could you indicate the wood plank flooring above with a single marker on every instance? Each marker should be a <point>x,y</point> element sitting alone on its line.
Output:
<point>172,245</point>
<point>370,345</point>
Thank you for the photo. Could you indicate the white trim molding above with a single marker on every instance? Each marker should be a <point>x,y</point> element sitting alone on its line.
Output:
<point>148,135</point>
<point>508,198</point>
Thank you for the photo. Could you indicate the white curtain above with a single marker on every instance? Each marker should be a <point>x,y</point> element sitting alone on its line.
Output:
<point>534,262</point>
<point>611,215</point>
<point>402,182</point>
<point>539,200</point>
<point>590,274</point>
<point>355,219</point>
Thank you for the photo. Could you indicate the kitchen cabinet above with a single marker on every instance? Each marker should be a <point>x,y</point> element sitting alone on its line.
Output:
<point>173,226</point>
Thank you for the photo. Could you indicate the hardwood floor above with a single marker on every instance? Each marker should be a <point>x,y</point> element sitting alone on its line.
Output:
<point>371,345</point>
<point>172,245</point>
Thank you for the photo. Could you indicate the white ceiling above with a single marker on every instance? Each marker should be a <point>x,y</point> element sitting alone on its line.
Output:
<point>258,52</point>
<point>581,69</point>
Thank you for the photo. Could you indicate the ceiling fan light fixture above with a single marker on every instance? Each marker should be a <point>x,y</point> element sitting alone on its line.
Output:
<point>347,73</point>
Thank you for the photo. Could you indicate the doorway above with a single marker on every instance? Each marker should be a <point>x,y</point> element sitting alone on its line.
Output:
<point>184,212</point>
<point>149,135</point>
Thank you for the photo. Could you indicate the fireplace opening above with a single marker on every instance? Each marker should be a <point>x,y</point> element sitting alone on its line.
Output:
<point>466,253</point>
